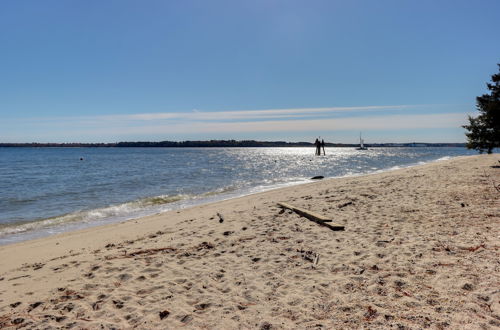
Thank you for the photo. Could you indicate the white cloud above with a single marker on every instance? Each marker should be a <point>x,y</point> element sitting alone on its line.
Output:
<point>247,114</point>
<point>388,122</point>
<point>255,123</point>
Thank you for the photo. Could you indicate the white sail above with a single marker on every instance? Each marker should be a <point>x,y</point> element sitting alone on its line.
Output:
<point>361,143</point>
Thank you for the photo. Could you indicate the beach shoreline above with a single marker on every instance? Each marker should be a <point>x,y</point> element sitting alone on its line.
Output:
<point>416,252</point>
<point>222,198</point>
<point>92,217</point>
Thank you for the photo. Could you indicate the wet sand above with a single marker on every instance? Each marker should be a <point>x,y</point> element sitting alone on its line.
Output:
<point>420,249</point>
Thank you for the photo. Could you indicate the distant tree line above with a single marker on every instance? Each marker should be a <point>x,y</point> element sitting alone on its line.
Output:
<point>216,143</point>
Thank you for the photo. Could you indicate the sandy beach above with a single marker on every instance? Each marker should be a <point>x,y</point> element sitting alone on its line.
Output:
<point>420,249</point>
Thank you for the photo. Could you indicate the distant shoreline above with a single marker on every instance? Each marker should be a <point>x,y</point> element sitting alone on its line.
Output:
<point>218,144</point>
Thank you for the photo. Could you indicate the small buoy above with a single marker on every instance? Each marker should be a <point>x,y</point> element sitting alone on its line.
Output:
<point>81,158</point>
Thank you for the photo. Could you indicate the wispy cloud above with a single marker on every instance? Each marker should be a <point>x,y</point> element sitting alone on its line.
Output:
<point>257,123</point>
<point>250,114</point>
<point>390,122</point>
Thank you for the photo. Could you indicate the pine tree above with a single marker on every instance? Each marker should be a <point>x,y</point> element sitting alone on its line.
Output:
<point>484,130</point>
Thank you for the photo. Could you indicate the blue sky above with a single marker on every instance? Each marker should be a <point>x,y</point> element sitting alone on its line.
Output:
<point>105,71</point>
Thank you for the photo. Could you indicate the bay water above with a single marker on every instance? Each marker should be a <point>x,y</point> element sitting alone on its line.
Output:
<point>44,191</point>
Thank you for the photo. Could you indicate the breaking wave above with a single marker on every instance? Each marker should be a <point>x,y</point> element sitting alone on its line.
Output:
<point>121,211</point>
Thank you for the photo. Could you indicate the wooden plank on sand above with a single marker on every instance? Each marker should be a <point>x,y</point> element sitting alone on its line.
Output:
<point>318,218</point>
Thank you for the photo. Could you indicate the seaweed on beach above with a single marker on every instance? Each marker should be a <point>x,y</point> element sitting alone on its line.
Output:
<point>146,252</point>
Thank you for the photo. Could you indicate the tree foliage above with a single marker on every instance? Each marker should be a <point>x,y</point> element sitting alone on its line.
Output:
<point>484,130</point>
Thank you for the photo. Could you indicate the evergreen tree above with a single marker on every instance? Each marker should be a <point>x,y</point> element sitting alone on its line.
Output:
<point>484,130</point>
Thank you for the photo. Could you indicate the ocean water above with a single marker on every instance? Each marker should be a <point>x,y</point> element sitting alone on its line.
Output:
<point>44,191</point>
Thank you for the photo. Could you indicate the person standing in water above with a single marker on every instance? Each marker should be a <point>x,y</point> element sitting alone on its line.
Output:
<point>323,146</point>
<point>318,147</point>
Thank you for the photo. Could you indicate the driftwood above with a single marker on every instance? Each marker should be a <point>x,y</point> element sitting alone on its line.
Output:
<point>318,218</point>
<point>316,260</point>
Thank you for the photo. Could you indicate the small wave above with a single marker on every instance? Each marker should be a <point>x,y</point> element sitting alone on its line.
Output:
<point>19,201</point>
<point>222,190</point>
<point>41,223</point>
<point>163,199</point>
<point>443,158</point>
<point>112,211</point>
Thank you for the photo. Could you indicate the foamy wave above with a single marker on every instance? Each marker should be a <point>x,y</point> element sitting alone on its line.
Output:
<point>163,199</point>
<point>49,222</point>
<point>222,190</point>
<point>129,207</point>
<point>112,211</point>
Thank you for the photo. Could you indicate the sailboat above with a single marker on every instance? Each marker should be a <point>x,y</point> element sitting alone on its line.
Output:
<point>361,144</point>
